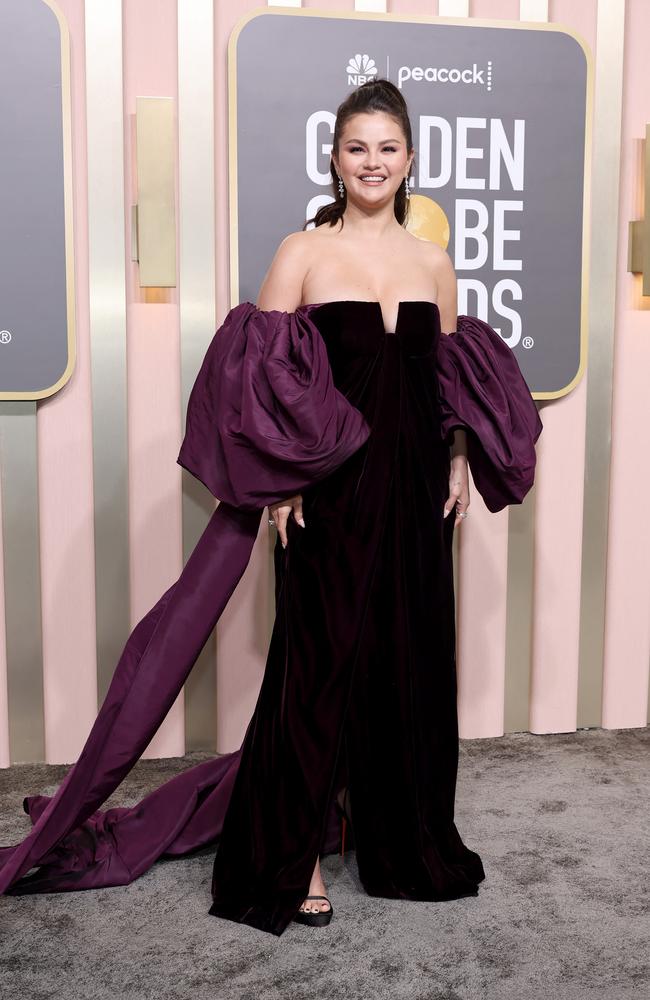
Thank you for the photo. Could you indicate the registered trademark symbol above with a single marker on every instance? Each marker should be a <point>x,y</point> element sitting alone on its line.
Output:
<point>527,342</point>
<point>5,336</point>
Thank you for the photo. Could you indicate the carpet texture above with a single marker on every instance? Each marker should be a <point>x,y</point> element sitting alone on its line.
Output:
<point>562,824</point>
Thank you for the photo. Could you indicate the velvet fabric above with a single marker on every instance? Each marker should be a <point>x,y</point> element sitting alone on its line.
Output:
<point>359,689</point>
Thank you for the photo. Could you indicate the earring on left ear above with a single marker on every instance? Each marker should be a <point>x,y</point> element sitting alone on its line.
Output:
<point>406,185</point>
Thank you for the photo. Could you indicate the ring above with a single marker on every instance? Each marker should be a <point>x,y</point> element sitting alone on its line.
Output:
<point>271,520</point>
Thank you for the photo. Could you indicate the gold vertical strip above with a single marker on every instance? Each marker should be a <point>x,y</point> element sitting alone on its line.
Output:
<point>22,575</point>
<point>645,229</point>
<point>519,615</point>
<point>196,301</point>
<point>156,214</point>
<point>107,291</point>
<point>520,565</point>
<point>608,99</point>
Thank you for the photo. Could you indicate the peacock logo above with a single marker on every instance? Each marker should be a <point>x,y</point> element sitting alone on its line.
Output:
<point>361,68</point>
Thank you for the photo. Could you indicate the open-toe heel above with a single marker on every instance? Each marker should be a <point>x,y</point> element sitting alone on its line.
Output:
<point>318,919</point>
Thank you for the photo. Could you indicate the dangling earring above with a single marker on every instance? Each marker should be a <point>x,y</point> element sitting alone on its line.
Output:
<point>406,185</point>
<point>341,186</point>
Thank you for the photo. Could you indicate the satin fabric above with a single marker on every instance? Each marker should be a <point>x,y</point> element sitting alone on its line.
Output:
<point>264,416</point>
<point>359,688</point>
<point>481,388</point>
<point>265,376</point>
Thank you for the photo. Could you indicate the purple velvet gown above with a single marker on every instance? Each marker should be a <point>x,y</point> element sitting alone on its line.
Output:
<point>359,690</point>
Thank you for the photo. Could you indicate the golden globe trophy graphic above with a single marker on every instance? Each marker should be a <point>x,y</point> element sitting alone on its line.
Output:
<point>428,220</point>
<point>486,106</point>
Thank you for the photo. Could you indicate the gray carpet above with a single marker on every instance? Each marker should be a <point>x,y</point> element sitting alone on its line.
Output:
<point>561,823</point>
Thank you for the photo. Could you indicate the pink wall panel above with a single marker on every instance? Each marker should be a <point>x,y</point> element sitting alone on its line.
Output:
<point>153,357</point>
<point>481,646</point>
<point>65,471</point>
<point>558,564</point>
<point>155,478</point>
<point>154,434</point>
<point>5,758</point>
<point>243,629</point>
<point>627,618</point>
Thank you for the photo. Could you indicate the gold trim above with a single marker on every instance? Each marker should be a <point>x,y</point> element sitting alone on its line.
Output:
<point>155,156</point>
<point>20,549</point>
<point>66,126</point>
<point>610,33</point>
<point>109,323</point>
<point>197,311</point>
<point>645,286</point>
<point>520,614</point>
<point>638,246</point>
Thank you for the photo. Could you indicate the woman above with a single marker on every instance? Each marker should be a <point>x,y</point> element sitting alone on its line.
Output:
<point>343,404</point>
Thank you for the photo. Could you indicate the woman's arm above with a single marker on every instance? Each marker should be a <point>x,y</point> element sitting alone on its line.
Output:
<point>448,306</point>
<point>282,285</point>
<point>282,289</point>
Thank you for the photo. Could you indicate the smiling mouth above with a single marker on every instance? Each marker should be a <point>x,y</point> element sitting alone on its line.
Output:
<point>372,179</point>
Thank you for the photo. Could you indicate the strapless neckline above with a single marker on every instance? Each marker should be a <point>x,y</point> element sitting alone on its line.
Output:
<point>377,305</point>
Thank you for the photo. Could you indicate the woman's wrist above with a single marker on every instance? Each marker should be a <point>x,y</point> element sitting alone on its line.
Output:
<point>459,447</point>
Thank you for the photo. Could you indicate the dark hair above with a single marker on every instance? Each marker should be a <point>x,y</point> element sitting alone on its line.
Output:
<point>372,96</point>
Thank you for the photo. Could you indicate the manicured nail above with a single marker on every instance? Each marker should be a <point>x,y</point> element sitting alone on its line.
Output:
<point>301,520</point>
<point>445,512</point>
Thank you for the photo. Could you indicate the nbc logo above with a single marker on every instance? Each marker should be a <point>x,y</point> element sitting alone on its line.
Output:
<point>361,68</point>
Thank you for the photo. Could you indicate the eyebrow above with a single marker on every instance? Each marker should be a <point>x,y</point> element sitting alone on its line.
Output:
<point>382,143</point>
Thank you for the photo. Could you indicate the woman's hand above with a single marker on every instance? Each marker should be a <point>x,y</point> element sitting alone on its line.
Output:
<point>458,488</point>
<point>280,513</point>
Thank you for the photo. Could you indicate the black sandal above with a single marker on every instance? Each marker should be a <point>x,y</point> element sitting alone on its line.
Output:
<point>318,919</point>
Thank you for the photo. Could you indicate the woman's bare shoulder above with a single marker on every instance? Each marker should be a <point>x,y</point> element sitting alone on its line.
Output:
<point>306,240</point>
<point>437,261</point>
<point>282,285</point>
<point>442,273</point>
<point>432,254</point>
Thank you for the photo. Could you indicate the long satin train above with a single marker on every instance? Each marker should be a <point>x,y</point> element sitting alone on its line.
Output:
<point>160,652</point>
<point>264,419</point>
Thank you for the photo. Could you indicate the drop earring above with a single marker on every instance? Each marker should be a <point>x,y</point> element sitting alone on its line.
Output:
<point>341,186</point>
<point>406,185</point>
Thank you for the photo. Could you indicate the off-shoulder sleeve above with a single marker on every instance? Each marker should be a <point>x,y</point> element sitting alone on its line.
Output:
<point>481,388</point>
<point>264,418</point>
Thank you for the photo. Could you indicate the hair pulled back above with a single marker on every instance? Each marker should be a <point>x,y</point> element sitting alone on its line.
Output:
<point>376,95</point>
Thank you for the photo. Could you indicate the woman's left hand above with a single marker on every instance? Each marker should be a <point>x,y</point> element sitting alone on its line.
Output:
<point>458,488</point>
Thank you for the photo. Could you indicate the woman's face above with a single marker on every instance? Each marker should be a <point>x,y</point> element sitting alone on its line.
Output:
<point>372,145</point>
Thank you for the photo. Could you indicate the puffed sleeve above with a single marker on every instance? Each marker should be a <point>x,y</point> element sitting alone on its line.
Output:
<point>481,388</point>
<point>264,418</point>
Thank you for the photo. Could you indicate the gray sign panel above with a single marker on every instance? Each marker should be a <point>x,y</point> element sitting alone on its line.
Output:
<point>499,118</point>
<point>36,260</point>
